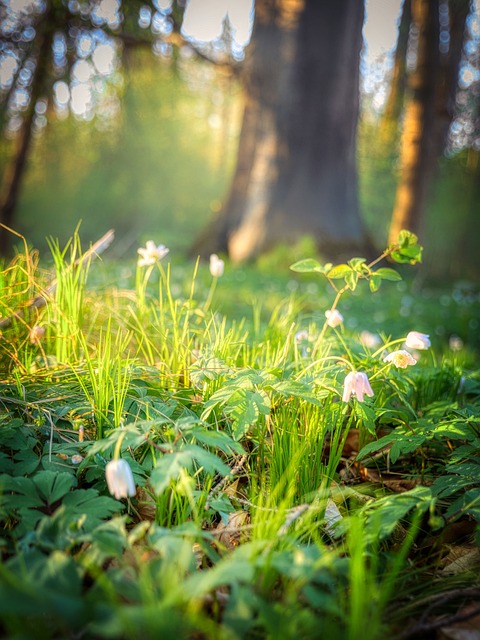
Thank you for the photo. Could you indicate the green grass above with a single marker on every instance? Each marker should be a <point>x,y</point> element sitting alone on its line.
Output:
<point>266,507</point>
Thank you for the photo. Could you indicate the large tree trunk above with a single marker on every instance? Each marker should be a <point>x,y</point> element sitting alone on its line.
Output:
<point>16,169</point>
<point>418,149</point>
<point>296,165</point>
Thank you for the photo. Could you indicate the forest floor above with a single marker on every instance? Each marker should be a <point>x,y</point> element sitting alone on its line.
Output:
<point>196,456</point>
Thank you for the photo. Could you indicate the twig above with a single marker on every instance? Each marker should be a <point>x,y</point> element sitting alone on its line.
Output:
<point>40,300</point>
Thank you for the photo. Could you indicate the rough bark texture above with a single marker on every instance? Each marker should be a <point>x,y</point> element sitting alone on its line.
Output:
<point>15,171</point>
<point>296,165</point>
<point>417,147</point>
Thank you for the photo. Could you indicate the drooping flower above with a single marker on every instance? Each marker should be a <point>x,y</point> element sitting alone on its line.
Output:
<point>370,340</point>
<point>36,334</point>
<point>401,359</point>
<point>356,384</point>
<point>119,478</point>
<point>217,266</point>
<point>76,458</point>
<point>151,253</point>
<point>334,318</point>
<point>416,340</point>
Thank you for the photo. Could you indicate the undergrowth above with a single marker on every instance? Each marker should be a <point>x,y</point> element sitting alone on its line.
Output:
<point>279,475</point>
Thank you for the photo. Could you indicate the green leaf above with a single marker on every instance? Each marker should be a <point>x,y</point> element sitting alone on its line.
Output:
<point>340,271</point>
<point>87,502</point>
<point>53,486</point>
<point>306,266</point>
<point>407,250</point>
<point>168,468</point>
<point>384,515</point>
<point>366,414</point>
<point>375,282</point>
<point>388,274</point>
<point>351,280</point>
<point>358,264</point>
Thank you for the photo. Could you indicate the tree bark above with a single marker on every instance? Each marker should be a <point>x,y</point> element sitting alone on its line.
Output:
<point>296,163</point>
<point>16,169</point>
<point>394,103</point>
<point>417,146</point>
<point>449,70</point>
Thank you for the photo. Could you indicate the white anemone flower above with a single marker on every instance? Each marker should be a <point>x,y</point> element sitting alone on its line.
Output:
<point>119,478</point>
<point>356,384</point>
<point>416,340</point>
<point>151,253</point>
<point>334,318</point>
<point>217,266</point>
<point>370,340</point>
<point>401,359</point>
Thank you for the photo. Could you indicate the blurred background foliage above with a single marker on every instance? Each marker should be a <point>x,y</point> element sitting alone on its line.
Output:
<point>155,154</point>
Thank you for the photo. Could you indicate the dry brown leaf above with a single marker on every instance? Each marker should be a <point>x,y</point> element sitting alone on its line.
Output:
<point>230,534</point>
<point>460,559</point>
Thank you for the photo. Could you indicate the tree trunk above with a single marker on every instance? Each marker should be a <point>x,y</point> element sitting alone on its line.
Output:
<point>418,148</point>
<point>296,164</point>
<point>394,103</point>
<point>16,169</point>
<point>449,69</point>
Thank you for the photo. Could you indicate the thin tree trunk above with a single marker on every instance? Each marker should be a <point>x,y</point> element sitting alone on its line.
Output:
<point>15,171</point>
<point>418,149</point>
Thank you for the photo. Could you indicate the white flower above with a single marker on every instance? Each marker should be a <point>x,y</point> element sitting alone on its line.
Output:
<point>301,336</point>
<point>334,318</point>
<point>76,458</point>
<point>401,359</point>
<point>119,478</point>
<point>356,384</point>
<point>36,334</point>
<point>217,266</point>
<point>370,340</point>
<point>416,340</point>
<point>455,343</point>
<point>151,253</point>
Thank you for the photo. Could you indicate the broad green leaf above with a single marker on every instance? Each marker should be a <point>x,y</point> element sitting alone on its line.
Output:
<point>26,462</point>
<point>366,414</point>
<point>95,507</point>
<point>388,274</point>
<point>340,271</point>
<point>293,388</point>
<point>168,468</point>
<point>384,514</point>
<point>53,486</point>
<point>306,266</point>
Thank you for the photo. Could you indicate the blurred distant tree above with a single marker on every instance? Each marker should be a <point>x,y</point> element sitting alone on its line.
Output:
<point>296,166</point>
<point>394,104</point>
<point>62,52</point>
<point>429,112</point>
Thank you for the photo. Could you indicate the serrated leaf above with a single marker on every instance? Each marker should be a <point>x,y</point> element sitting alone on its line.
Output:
<point>88,502</point>
<point>296,389</point>
<point>168,468</point>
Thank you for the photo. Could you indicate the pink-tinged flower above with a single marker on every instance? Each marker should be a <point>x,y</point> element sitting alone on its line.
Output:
<point>36,334</point>
<point>356,384</point>
<point>334,318</point>
<point>416,340</point>
<point>217,266</point>
<point>370,340</point>
<point>119,478</point>
<point>151,253</point>
<point>401,359</point>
